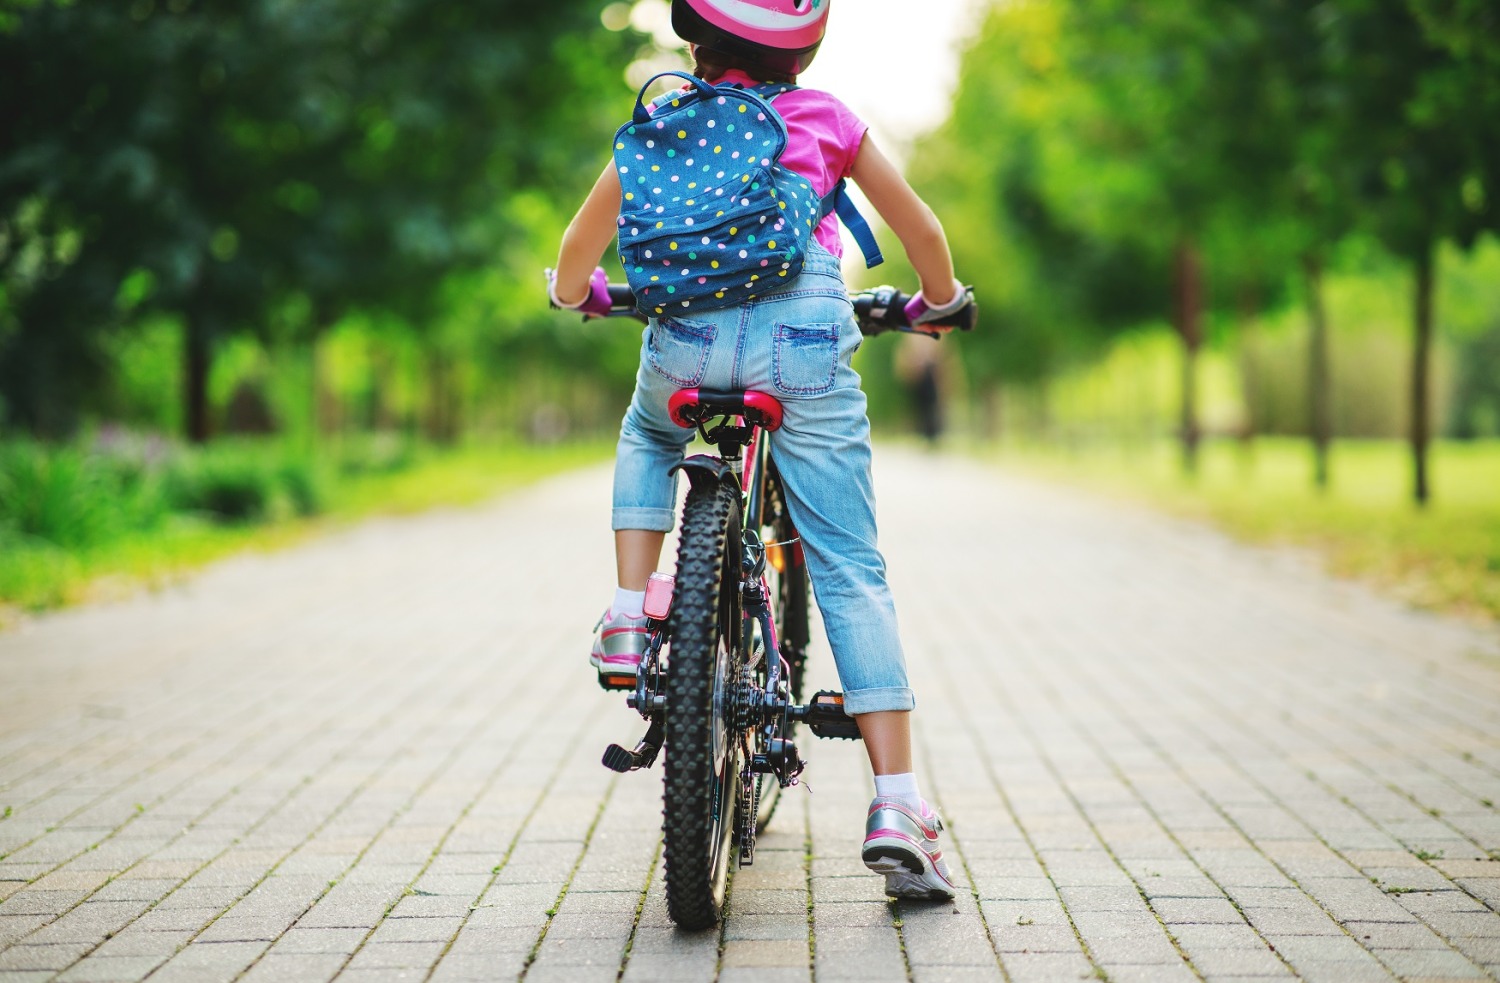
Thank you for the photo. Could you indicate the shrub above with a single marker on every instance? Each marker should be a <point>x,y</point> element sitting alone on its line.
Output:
<point>246,481</point>
<point>382,453</point>
<point>302,482</point>
<point>227,485</point>
<point>58,494</point>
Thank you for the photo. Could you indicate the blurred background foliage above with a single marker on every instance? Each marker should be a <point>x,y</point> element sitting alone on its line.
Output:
<point>256,250</point>
<point>249,204</point>
<point>1223,218</point>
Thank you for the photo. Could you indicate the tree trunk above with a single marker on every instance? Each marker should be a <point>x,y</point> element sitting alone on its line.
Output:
<point>327,413</point>
<point>1248,303</point>
<point>1420,373</point>
<point>1319,380</point>
<point>196,360</point>
<point>992,413</point>
<point>441,418</point>
<point>1188,273</point>
<point>382,371</point>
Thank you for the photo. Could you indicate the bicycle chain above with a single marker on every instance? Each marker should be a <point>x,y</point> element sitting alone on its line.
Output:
<point>749,792</point>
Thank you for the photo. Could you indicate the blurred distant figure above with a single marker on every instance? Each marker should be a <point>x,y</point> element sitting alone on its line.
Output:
<point>919,366</point>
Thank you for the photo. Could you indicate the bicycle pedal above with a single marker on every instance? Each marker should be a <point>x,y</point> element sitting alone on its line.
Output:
<point>616,682</point>
<point>619,759</point>
<point>826,717</point>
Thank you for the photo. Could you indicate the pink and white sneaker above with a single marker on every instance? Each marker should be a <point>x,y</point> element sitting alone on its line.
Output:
<point>903,846</point>
<point>619,644</point>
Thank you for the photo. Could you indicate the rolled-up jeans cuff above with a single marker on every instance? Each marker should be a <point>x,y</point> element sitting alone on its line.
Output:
<point>875,700</point>
<point>649,520</point>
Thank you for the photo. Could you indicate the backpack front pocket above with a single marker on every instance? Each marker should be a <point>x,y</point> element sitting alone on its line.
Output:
<point>805,358</point>
<point>678,349</point>
<point>738,242</point>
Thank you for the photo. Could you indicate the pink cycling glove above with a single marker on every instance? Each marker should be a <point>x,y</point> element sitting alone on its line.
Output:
<point>596,301</point>
<point>918,311</point>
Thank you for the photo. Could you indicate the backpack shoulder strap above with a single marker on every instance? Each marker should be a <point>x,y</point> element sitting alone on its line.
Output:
<point>838,201</point>
<point>770,90</point>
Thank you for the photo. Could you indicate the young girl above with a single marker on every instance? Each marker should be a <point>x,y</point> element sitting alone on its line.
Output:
<point>795,342</point>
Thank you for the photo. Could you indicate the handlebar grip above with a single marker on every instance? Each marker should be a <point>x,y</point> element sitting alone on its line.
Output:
<point>881,309</point>
<point>621,296</point>
<point>963,319</point>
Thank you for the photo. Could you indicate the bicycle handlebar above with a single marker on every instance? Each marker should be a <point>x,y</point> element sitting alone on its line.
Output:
<point>878,310</point>
<point>883,308</point>
<point>621,300</point>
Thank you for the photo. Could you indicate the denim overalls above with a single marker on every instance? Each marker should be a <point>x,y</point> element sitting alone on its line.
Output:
<point>795,343</point>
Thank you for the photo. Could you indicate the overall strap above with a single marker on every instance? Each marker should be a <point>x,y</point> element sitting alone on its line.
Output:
<point>838,200</point>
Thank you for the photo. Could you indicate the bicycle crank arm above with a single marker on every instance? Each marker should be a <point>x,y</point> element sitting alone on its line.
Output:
<point>618,759</point>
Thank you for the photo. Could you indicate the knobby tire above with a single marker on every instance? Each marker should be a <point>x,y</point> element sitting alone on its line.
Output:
<point>699,801</point>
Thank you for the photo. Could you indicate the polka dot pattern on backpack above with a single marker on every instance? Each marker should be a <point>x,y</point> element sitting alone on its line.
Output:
<point>708,216</point>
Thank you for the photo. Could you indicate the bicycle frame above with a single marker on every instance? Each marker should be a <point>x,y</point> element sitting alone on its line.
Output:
<point>739,425</point>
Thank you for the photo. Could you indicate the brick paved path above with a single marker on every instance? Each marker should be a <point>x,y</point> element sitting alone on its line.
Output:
<point>1163,757</point>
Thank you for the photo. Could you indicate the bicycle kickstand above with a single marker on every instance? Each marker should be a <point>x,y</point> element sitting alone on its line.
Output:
<point>618,759</point>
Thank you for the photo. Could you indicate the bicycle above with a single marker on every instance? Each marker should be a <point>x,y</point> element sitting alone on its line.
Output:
<point>722,677</point>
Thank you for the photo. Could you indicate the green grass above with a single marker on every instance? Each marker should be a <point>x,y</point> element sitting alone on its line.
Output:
<point>462,478</point>
<point>72,531</point>
<point>1444,557</point>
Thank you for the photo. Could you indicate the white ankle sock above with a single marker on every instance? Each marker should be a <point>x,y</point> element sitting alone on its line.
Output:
<point>903,787</point>
<point>628,602</point>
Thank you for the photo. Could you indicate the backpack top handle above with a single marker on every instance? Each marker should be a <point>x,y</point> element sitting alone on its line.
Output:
<point>643,115</point>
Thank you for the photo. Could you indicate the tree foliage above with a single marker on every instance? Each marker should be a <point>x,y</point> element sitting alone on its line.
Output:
<point>212,160</point>
<point>1100,151</point>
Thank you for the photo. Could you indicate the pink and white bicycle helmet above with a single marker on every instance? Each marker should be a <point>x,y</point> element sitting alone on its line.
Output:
<point>782,35</point>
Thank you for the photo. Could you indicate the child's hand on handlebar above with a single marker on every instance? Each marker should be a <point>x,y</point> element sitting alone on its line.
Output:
<point>920,312</point>
<point>884,308</point>
<point>595,303</point>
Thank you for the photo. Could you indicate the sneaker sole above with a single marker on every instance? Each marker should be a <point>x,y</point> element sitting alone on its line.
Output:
<point>613,678</point>
<point>906,875</point>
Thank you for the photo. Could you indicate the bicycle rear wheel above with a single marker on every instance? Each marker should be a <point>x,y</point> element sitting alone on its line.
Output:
<point>703,758</point>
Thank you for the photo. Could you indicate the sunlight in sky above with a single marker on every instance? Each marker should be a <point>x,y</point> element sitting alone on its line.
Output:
<point>894,62</point>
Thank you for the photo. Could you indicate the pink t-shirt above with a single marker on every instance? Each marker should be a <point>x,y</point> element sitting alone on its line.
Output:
<point>823,138</point>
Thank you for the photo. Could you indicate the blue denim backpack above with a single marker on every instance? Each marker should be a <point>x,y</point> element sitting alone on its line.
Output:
<point>708,216</point>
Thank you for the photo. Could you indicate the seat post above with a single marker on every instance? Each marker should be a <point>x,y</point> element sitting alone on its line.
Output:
<point>732,451</point>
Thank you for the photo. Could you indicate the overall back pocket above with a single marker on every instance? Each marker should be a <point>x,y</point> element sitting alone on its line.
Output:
<point>804,358</point>
<point>678,349</point>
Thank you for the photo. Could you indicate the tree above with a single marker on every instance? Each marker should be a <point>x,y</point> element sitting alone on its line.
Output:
<point>1050,287</point>
<point>1232,143</point>
<point>221,157</point>
<point>1137,133</point>
<point>1420,146</point>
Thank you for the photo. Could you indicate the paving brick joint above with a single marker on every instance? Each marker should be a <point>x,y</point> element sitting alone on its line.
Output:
<point>1162,756</point>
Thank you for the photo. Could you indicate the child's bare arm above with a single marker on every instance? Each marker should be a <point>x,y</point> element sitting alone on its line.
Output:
<point>588,235</point>
<point>909,217</point>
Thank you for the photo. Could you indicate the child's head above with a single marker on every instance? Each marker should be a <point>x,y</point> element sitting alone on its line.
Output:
<point>771,40</point>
